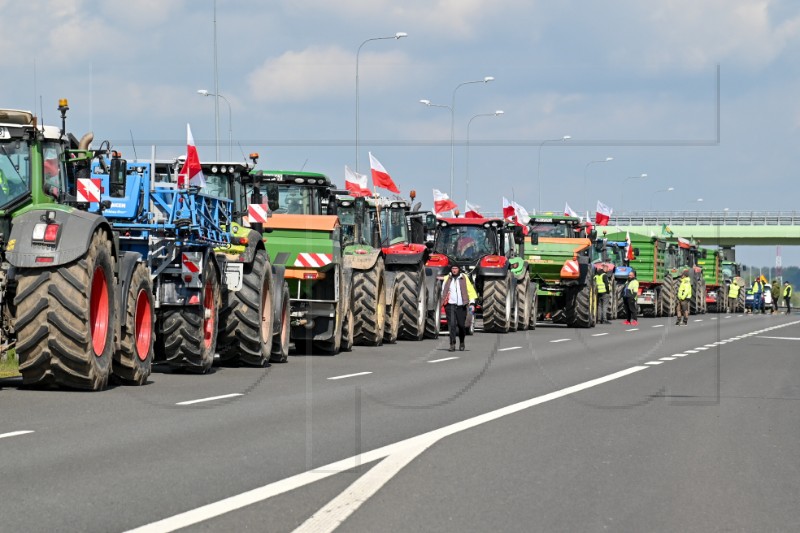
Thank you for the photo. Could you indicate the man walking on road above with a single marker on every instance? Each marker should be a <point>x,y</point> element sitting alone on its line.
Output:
<point>629,294</point>
<point>787,296</point>
<point>603,297</point>
<point>733,296</point>
<point>457,293</point>
<point>684,295</point>
<point>776,299</point>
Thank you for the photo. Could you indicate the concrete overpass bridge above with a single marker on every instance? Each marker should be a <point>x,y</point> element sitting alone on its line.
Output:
<point>722,228</point>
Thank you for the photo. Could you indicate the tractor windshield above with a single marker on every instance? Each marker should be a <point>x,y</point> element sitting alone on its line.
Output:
<point>218,185</point>
<point>553,230</point>
<point>15,176</point>
<point>393,226</point>
<point>292,199</point>
<point>351,235</point>
<point>465,243</point>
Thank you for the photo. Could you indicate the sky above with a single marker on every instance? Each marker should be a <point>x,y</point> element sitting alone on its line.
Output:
<point>635,81</point>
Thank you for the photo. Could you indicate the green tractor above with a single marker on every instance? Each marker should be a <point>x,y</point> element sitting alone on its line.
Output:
<point>303,234</point>
<point>559,258</point>
<point>62,275</point>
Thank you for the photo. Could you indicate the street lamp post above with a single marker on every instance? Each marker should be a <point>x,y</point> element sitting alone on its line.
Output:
<point>606,160</point>
<point>668,189</point>
<point>486,79</point>
<point>622,190</point>
<point>204,92</point>
<point>398,35</point>
<point>539,168</point>
<point>495,114</point>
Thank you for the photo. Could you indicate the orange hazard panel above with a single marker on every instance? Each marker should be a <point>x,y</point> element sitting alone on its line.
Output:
<point>309,222</point>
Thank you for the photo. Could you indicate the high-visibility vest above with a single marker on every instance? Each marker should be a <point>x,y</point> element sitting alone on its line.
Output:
<point>758,286</point>
<point>631,288</point>
<point>601,283</point>
<point>787,291</point>
<point>733,291</point>
<point>685,289</point>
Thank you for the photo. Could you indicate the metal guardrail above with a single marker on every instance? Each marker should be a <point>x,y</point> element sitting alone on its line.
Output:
<point>707,218</point>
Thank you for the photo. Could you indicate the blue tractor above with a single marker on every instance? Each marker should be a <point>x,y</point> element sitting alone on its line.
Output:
<point>191,259</point>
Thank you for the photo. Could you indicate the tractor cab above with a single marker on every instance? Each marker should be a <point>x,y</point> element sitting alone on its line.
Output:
<point>292,192</point>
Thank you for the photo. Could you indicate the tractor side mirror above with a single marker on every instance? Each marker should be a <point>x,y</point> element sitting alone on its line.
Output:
<point>118,177</point>
<point>534,238</point>
<point>430,222</point>
<point>519,235</point>
<point>744,268</point>
<point>704,254</point>
<point>599,245</point>
<point>636,252</point>
<point>333,207</point>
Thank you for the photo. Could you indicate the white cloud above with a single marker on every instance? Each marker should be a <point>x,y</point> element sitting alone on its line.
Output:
<point>322,73</point>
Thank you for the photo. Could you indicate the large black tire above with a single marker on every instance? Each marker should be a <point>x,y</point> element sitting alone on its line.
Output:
<point>392,328</point>
<point>65,320</point>
<point>369,305</point>
<point>523,304</point>
<point>667,297</point>
<point>534,301</point>
<point>188,337</point>
<point>348,331</point>
<point>498,304</point>
<point>740,304</point>
<point>134,360</point>
<point>433,320</point>
<point>245,320</point>
<point>579,313</point>
<point>619,301</point>
<point>280,342</point>
<point>413,298</point>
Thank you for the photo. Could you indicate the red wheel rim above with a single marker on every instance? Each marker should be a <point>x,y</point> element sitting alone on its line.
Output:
<point>99,311</point>
<point>143,325</point>
<point>208,313</point>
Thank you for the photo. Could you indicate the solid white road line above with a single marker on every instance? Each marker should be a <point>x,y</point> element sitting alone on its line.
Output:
<point>402,450</point>
<point>509,348</point>
<point>781,338</point>
<point>441,360</point>
<point>561,340</point>
<point>14,434</point>
<point>211,399</point>
<point>599,334</point>
<point>350,375</point>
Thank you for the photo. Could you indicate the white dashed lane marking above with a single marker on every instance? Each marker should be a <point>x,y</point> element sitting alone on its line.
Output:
<point>441,360</point>
<point>211,399</point>
<point>350,375</point>
<point>509,348</point>
<point>560,340</point>
<point>14,434</point>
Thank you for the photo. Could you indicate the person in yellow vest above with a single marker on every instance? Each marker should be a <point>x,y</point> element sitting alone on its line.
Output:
<point>733,296</point>
<point>603,297</point>
<point>758,296</point>
<point>787,296</point>
<point>684,296</point>
<point>630,292</point>
<point>457,293</point>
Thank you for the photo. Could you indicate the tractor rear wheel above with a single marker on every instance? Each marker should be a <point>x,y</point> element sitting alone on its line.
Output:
<point>579,306</point>
<point>619,302</point>
<point>433,320</point>
<point>280,342</point>
<point>134,360</point>
<point>498,304</point>
<point>245,321</point>
<point>369,305</point>
<point>523,304</point>
<point>65,320</point>
<point>392,329</point>
<point>533,300</point>
<point>413,299</point>
<point>188,337</point>
<point>668,297</point>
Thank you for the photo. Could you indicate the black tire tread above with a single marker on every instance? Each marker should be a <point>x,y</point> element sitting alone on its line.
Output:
<point>128,367</point>
<point>411,285</point>
<point>368,296</point>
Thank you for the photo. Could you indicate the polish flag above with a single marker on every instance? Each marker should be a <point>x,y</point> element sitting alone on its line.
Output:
<point>568,211</point>
<point>589,226</point>
<point>355,183</point>
<point>191,171</point>
<point>381,178</point>
<point>471,210</point>
<point>603,214</point>
<point>522,215</point>
<point>508,209</point>
<point>629,253</point>
<point>442,202</point>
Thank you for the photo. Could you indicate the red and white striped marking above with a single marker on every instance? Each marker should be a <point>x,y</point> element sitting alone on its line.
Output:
<point>190,264</point>
<point>89,190</point>
<point>313,260</point>
<point>571,267</point>
<point>258,213</point>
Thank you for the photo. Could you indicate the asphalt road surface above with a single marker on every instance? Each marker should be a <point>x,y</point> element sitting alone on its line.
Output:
<point>619,428</point>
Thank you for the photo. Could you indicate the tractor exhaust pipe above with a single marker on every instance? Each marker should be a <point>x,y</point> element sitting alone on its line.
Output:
<point>85,141</point>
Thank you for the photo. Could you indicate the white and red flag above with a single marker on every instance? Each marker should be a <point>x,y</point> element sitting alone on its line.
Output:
<point>442,202</point>
<point>191,172</point>
<point>522,215</point>
<point>629,251</point>
<point>603,214</point>
<point>356,183</point>
<point>568,211</point>
<point>471,211</point>
<point>589,226</point>
<point>381,178</point>
<point>508,209</point>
